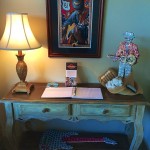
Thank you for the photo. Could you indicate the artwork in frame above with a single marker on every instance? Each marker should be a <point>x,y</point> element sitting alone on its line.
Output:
<point>74,28</point>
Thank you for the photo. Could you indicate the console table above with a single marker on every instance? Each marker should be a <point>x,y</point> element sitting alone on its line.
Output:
<point>20,106</point>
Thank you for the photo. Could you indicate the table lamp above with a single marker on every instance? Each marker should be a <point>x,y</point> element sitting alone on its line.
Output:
<point>18,36</point>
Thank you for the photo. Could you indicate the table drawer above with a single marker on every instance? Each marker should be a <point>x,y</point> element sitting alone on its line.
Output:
<point>105,110</point>
<point>40,110</point>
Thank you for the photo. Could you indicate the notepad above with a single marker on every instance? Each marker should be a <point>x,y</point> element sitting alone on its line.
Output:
<point>72,92</point>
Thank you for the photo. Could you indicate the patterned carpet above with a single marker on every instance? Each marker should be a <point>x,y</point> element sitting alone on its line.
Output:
<point>31,140</point>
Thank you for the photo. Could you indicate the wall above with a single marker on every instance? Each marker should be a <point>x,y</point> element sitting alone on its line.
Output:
<point>119,16</point>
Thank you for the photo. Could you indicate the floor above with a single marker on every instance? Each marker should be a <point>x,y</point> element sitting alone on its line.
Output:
<point>31,140</point>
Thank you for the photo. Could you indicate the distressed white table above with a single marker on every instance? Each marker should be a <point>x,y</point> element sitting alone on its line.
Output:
<point>20,106</point>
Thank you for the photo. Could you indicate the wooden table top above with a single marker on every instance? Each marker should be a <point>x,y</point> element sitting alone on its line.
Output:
<point>108,98</point>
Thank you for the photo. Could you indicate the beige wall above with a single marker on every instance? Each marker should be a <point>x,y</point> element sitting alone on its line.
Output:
<point>41,68</point>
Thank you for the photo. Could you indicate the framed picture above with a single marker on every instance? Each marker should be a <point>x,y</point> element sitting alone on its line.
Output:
<point>74,28</point>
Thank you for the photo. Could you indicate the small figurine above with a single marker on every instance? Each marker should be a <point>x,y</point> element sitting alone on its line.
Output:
<point>127,54</point>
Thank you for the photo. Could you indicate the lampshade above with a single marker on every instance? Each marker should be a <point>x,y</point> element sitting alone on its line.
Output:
<point>17,34</point>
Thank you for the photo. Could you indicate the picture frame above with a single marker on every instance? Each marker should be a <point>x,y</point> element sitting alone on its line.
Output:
<point>80,39</point>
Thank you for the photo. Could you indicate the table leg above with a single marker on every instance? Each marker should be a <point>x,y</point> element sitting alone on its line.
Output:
<point>138,128</point>
<point>9,125</point>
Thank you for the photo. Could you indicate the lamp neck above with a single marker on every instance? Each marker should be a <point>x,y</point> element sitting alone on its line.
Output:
<point>20,53</point>
<point>20,56</point>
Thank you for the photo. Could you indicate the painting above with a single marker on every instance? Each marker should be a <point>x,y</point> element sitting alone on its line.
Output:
<point>74,28</point>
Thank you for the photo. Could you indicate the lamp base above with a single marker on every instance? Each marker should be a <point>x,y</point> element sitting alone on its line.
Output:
<point>23,87</point>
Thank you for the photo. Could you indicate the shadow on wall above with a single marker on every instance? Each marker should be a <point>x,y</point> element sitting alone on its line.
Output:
<point>84,126</point>
<point>146,122</point>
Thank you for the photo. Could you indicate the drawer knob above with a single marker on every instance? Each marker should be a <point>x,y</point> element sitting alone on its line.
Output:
<point>105,111</point>
<point>45,110</point>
